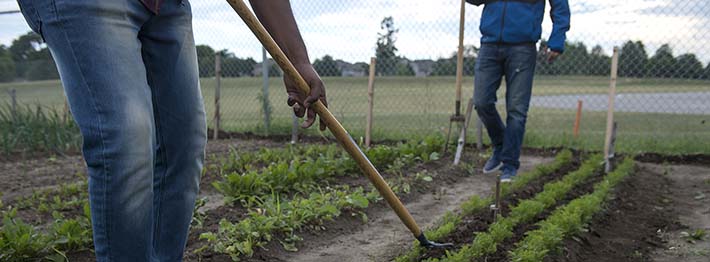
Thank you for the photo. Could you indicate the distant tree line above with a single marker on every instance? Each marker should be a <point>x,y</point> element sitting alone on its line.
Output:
<point>28,58</point>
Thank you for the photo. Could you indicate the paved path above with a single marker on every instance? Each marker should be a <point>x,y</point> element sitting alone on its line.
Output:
<point>672,103</point>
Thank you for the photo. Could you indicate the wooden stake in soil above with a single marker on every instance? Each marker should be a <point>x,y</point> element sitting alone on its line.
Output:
<point>610,109</point>
<point>218,75</point>
<point>370,102</point>
<point>578,118</point>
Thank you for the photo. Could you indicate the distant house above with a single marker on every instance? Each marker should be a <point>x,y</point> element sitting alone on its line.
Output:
<point>422,68</point>
<point>348,69</point>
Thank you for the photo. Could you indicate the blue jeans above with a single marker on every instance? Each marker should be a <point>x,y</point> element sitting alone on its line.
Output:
<point>132,83</point>
<point>517,64</point>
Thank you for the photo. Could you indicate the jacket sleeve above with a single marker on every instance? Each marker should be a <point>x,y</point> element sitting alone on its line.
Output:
<point>560,15</point>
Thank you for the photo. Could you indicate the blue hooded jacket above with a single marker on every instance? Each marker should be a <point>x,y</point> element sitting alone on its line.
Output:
<point>520,21</point>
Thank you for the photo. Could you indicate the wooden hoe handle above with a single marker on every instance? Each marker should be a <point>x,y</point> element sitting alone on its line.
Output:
<point>333,125</point>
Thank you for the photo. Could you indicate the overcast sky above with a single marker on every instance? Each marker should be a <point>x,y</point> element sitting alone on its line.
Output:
<point>428,29</point>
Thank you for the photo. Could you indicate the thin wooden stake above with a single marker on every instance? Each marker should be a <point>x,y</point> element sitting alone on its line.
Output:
<point>610,109</point>
<point>218,76</point>
<point>370,102</point>
<point>578,118</point>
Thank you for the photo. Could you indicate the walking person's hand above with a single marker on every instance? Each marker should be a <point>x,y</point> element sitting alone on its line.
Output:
<point>302,103</point>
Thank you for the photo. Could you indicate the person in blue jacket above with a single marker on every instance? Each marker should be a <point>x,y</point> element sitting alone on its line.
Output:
<point>511,29</point>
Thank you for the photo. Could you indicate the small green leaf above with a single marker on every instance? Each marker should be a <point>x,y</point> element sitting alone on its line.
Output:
<point>434,156</point>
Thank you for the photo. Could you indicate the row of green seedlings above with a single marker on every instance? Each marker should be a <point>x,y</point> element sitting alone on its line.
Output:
<point>20,241</point>
<point>297,170</point>
<point>568,220</point>
<point>486,243</point>
<point>34,128</point>
<point>286,197</point>
<point>475,204</point>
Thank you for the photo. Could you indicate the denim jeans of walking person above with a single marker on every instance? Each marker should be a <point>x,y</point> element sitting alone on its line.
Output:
<point>132,83</point>
<point>515,63</point>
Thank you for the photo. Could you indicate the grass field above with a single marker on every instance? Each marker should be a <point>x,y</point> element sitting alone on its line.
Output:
<point>408,107</point>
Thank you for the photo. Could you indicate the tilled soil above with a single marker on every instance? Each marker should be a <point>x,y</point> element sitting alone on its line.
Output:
<point>384,236</point>
<point>628,228</point>
<point>481,221</point>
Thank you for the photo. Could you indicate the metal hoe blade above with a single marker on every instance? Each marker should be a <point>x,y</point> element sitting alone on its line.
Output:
<point>426,243</point>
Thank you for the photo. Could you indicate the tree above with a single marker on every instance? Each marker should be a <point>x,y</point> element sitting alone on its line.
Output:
<point>7,65</point>
<point>32,58</point>
<point>444,67</point>
<point>633,59</point>
<point>599,62</point>
<point>327,66</point>
<point>404,68</point>
<point>386,52</point>
<point>662,64</point>
<point>205,60</point>
<point>689,67</point>
<point>707,72</point>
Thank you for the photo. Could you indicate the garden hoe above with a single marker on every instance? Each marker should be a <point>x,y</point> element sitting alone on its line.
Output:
<point>457,116</point>
<point>334,126</point>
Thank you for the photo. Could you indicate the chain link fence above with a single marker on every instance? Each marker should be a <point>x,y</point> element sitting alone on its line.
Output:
<point>662,105</point>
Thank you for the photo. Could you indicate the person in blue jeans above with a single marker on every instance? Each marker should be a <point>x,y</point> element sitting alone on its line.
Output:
<point>510,30</point>
<point>129,71</point>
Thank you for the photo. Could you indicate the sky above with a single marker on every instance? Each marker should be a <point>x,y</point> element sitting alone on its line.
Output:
<point>347,29</point>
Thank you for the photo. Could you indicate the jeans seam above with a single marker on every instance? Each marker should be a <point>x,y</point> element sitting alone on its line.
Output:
<point>164,158</point>
<point>92,97</point>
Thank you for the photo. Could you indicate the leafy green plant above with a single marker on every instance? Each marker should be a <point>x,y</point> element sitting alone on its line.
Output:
<point>696,235</point>
<point>20,241</point>
<point>275,215</point>
<point>36,129</point>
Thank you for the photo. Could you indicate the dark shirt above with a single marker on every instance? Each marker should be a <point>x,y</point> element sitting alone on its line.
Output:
<point>152,5</point>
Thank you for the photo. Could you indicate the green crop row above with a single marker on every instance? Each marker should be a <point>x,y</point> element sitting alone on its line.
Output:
<point>487,242</point>
<point>20,241</point>
<point>451,221</point>
<point>274,216</point>
<point>569,219</point>
<point>289,193</point>
<point>301,173</point>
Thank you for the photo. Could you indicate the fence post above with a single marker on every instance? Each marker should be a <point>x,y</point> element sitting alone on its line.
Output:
<point>370,102</point>
<point>13,97</point>
<point>578,118</point>
<point>265,90</point>
<point>610,109</point>
<point>218,76</point>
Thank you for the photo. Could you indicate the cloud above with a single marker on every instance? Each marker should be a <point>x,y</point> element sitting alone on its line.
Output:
<point>348,29</point>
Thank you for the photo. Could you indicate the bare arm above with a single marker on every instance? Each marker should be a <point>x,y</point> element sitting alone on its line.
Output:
<point>277,18</point>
